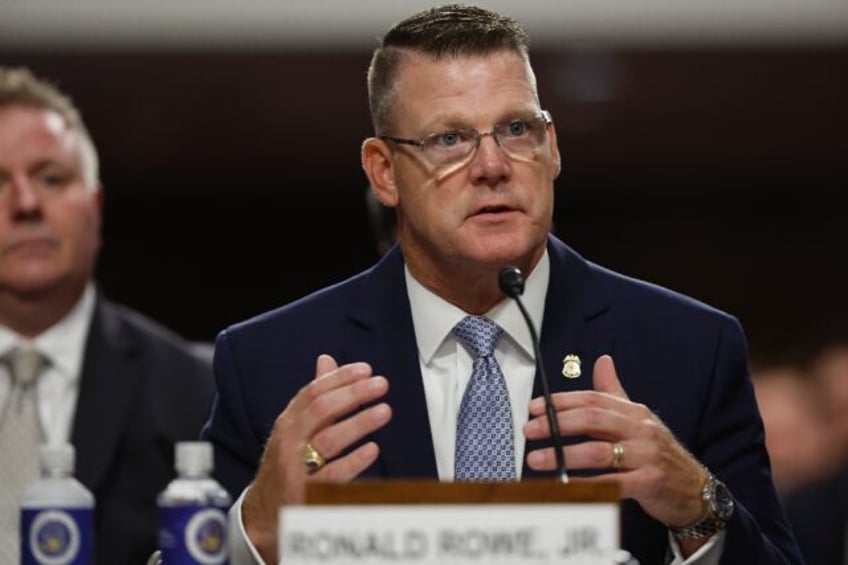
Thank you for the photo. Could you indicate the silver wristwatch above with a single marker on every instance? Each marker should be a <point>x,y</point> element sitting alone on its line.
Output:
<point>719,504</point>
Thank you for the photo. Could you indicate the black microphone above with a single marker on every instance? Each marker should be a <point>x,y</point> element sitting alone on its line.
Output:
<point>511,282</point>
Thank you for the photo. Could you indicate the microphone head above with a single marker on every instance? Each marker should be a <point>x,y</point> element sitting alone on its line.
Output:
<point>511,281</point>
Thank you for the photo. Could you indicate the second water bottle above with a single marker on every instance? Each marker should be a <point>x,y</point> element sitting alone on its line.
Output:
<point>193,511</point>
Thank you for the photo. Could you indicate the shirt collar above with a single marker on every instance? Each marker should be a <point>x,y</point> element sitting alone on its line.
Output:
<point>433,317</point>
<point>64,341</point>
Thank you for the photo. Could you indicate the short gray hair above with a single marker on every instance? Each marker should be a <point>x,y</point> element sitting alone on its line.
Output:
<point>443,31</point>
<point>20,87</point>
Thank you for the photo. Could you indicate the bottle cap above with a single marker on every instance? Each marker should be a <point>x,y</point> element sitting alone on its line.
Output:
<point>57,456</point>
<point>193,457</point>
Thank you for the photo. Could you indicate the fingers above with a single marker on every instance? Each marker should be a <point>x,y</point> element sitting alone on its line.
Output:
<point>324,364</point>
<point>608,392</point>
<point>605,414</point>
<point>596,421</point>
<point>605,377</point>
<point>627,443</point>
<point>324,409</point>
<point>351,465</point>
<point>329,376</point>
<point>335,391</point>
<point>600,455</point>
<point>333,440</point>
<point>325,413</point>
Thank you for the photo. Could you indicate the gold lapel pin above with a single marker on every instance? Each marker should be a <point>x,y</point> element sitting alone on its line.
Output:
<point>571,366</point>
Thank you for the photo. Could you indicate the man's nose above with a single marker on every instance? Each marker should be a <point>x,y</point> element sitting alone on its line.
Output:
<point>25,197</point>
<point>490,163</point>
<point>489,150</point>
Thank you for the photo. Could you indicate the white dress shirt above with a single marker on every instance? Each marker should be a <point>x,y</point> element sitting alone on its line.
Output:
<point>446,365</point>
<point>57,387</point>
<point>446,369</point>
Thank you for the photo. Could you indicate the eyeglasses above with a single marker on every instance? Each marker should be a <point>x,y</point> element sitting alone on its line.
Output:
<point>520,139</point>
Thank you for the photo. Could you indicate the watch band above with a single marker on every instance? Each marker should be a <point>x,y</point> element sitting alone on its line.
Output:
<point>703,529</point>
<point>719,508</point>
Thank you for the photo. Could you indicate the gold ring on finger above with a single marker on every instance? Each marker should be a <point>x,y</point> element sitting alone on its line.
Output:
<point>617,456</point>
<point>312,458</point>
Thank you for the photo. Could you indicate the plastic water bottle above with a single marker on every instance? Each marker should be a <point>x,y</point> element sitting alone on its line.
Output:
<point>57,513</point>
<point>193,510</point>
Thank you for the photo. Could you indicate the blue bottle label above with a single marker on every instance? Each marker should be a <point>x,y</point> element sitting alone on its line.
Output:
<point>57,536</point>
<point>189,535</point>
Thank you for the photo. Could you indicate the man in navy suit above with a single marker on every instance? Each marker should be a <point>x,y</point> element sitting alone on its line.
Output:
<point>366,378</point>
<point>118,386</point>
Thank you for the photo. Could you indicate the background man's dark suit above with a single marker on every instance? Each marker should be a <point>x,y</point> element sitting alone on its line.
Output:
<point>818,513</point>
<point>685,360</point>
<point>141,390</point>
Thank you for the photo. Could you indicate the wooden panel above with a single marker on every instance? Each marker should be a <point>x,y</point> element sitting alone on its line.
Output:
<point>433,492</point>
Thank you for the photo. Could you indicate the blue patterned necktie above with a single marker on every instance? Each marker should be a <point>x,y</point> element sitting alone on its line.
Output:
<point>484,433</point>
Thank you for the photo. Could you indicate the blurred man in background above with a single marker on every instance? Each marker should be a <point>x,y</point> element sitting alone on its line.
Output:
<point>798,436</point>
<point>75,367</point>
<point>818,510</point>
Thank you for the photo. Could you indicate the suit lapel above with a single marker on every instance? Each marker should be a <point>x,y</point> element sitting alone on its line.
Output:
<point>107,385</point>
<point>574,306</point>
<point>389,343</point>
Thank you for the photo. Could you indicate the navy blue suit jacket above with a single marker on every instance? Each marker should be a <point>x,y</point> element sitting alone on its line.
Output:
<point>142,389</point>
<point>683,359</point>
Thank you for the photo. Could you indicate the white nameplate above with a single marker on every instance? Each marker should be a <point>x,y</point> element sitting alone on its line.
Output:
<point>450,534</point>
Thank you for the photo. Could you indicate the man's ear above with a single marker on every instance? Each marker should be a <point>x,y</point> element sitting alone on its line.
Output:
<point>377,164</point>
<point>556,159</point>
<point>98,195</point>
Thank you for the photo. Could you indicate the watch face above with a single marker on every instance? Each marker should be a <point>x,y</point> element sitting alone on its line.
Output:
<point>722,501</point>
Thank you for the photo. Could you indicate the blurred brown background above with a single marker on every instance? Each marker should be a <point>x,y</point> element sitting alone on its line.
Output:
<point>712,163</point>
